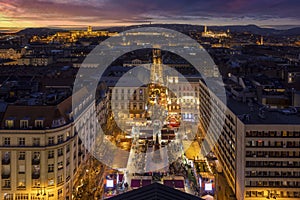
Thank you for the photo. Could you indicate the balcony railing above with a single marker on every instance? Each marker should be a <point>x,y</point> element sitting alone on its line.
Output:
<point>21,187</point>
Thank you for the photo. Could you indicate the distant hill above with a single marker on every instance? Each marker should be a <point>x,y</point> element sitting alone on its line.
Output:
<point>38,31</point>
<point>234,28</point>
<point>182,28</point>
<point>247,28</point>
<point>292,31</point>
<point>258,30</point>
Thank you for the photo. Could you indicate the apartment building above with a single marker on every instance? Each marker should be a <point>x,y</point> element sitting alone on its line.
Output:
<point>41,150</point>
<point>258,148</point>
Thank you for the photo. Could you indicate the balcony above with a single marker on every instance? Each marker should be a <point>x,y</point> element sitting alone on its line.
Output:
<point>21,187</point>
<point>6,187</point>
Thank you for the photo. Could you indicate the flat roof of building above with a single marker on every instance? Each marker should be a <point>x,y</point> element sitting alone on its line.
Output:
<point>258,114</point>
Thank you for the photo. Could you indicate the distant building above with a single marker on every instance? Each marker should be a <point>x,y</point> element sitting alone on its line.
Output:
<point>260,41</point>
<point>89,29</point>
<point>8,52</point>
<point>72,36</point>
<point>212,34</point>
<point>36,60</point>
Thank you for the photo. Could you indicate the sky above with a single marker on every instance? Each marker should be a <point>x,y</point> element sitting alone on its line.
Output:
<point>79,13</point>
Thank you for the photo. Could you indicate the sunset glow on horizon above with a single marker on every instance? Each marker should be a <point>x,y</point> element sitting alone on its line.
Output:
<point>16,14</point>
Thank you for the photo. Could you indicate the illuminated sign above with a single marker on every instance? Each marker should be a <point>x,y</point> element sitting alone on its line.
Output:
<point>109,183</point>
<point>208,186</point>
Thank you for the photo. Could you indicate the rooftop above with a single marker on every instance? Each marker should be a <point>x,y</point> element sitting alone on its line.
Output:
<point>53,116</point>
<point>252,113</point>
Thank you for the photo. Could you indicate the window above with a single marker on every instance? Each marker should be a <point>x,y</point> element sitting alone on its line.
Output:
<point>22,155</point>
<point>21,141</point>
<point>60,152</point>
<point>278,143</point>
<point>68,148</point>
<point>39,123</point>
<point>36,155</point>
<point>6,141</point>
<point>59,179</point>
<point>51,168</point>
<point>260,143</point>
<point>60,138</point>
<point>23,123</point>
<point>248,193</point>
<point>50,181</point>
<point>7,183</point>
<point>36,182</point>
<point>36,141</point>
<point>22,197</point>
<point>60,165</point>
<point>21,183</point>
<point>50,140</point>
<point>59,193</point>
<point>36,169</point>
<point>6,156</point>
<point>9,123</point>
<point>68,135</point>
<point>51,154</point>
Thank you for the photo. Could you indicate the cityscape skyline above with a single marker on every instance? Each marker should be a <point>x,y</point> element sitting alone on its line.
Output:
<point>110,99</point>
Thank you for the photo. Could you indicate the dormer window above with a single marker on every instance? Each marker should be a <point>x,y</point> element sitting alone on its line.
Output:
<point>58,122</point>
<point>24,123</point>
<point>39,123</point>
<point>9,123</point>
